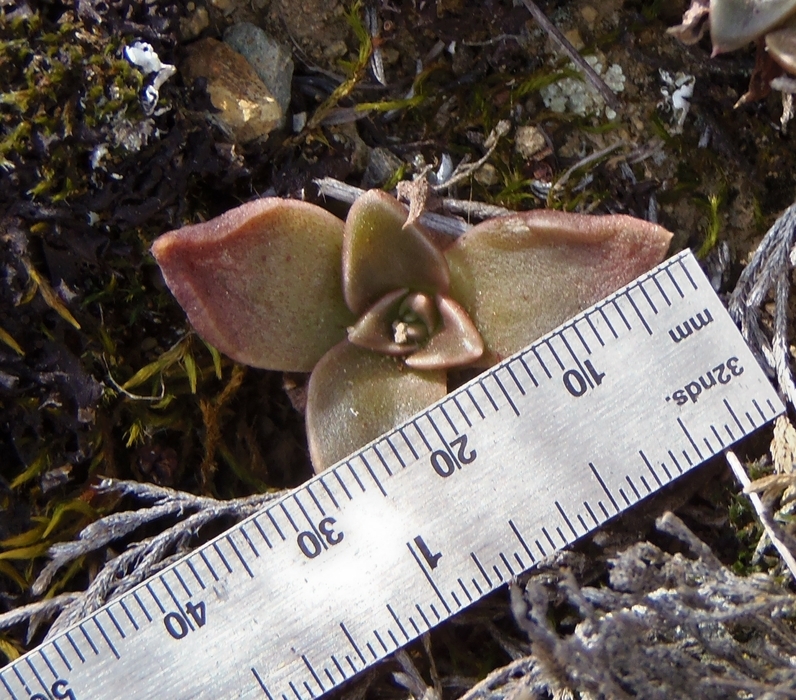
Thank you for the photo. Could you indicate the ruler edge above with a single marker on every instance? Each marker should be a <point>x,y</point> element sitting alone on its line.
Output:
<point>683,257</point>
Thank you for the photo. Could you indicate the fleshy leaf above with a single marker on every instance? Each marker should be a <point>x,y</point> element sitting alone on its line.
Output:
<point>380,256</point>
<point>355,395</point>
<point>455,344</point>
<point>781,46</point>
<point>734,23</point>
<point>374,328</point>
<point>520,276</point>
<point>261,282</point>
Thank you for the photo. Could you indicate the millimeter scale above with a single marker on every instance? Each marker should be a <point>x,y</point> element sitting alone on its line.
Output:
<point>522,461</point>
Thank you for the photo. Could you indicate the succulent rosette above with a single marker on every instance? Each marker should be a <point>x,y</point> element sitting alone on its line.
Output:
<point>377,309</point>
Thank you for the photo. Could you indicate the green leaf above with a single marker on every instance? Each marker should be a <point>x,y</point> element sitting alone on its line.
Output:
<point>379,256</point>
<point>355,395</point>
<point>261,282</point>
<point>520,276</point>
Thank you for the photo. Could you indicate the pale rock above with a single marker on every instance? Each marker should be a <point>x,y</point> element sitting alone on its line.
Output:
<point>248,110</point>
<point>487,175</point>
<point>528,141</point>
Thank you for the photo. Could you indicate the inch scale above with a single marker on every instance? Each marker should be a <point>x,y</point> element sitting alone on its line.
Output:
<point>524,460</point>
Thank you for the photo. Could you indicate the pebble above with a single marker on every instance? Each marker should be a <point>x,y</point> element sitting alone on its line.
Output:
<point>248,110</point>
<point>272,62</point>
<point>528,141</point>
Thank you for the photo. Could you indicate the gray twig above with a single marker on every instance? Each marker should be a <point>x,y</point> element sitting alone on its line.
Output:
<point>591,75</point>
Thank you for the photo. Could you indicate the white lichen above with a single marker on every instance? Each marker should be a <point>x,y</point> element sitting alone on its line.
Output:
<point>579,97</point>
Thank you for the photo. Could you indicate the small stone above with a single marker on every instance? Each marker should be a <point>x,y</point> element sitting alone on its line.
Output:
<point>573,37</point>
<point>528,141</point>
<point>487,175</point>
<point>589,15</point>
<point>194,24</point>
<point>248,110</point>
<point>272,61</point>
<point>382,164</point>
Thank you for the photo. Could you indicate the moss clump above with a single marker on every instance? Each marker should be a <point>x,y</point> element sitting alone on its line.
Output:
<point>64,88</point>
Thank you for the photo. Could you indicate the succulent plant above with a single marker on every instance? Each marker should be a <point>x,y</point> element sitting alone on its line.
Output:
<point>735,23</point>
<point>377,309</point>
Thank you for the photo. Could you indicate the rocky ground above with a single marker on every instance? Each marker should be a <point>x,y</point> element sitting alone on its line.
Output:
<point>121,120</point>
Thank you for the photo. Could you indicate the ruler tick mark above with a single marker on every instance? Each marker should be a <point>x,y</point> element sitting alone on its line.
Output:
<point>312,671</point>
<point>580,338</point>
<point>561,535</point>
<point>370,649</point>
<point>710,449</point>
<point>448,418</point>
<point>541,549</point>
<point>174,598</point>
<point>287,515</point>
<point>466,592</point>
<point>749,418</point>
<point>676,463</point>
<point>182,582</point>
<point>8,688</point>
<point>88,639</point>
<point>553,352</point>
<point>434,610</point>
<point>273,522</point>
<point>353,644</point>
<point>638,313</point>
<point>590,512</point>
<point>729,432</point>
<point>408,444</point>
<point>141,605</point>
<point>497,573</point>
<point>474,402</point>
<point>541,364</point>
<point>604,509</point>
<point>583,523</point>
<point>690,439</point>
<point>477,587</point>
<point>414,624</point>
<point>155,598</point>
<point>455,599</point>
<point>521,540</point>
<point>372,475</point>
<point>396,453</point>
<point>116,624</point>
<point>190,565</point>
<point>759,410</point>
<point>328,493</point>
<point>771,406</point>
<point>688,459</point>
<point>339,666</point>
<point>528,370</point>
<point>49,665</point>
<point>308,489</point>
<point>461,410</point>
<point>481,569</point>
<point>379,640</point>
<point>356,476</point>
<point>394,638</point>
<point>549,539</point>
<point>351,663</point>
<point>36,673</point>
<point>261,684</point>
<point>423,615</point>
<point>382,460</point>
<point>62,655</point>
<point>666,471</point>
<point>342,485</point>
<point>624,495</point>
<point>660,289</point>
<point>106,638</point>
<point>594,330</point>
<point>296,692</point>
<point>608,323</point>
<point>422,434</point>
<point>506,564</point>
<point>398,622</point>
<point>649,466</point>
<point>674,282</point>
<point>223,559</point>
<point>310,522</point>
<point>647,297</point>
<point>428,577</point>
<point>129,616</point>
<point>519,561</point>
<point>687,274</point>
<point>22,680</point>
<point>239,555</point>
<point>604,488</point>
<point>619,311</point>
<point>488,395</point>
<point>209,568</point>
<point>566,519</point>
<point>514,378</point>
<point>633,487</point>
<point>506,394</point>
<point>645,484</point>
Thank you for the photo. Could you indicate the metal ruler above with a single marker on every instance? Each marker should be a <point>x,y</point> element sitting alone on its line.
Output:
<point>529,457</point>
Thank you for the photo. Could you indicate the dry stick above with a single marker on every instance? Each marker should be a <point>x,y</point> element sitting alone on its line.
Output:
<point>762,513</point>
<point>591,75</point>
